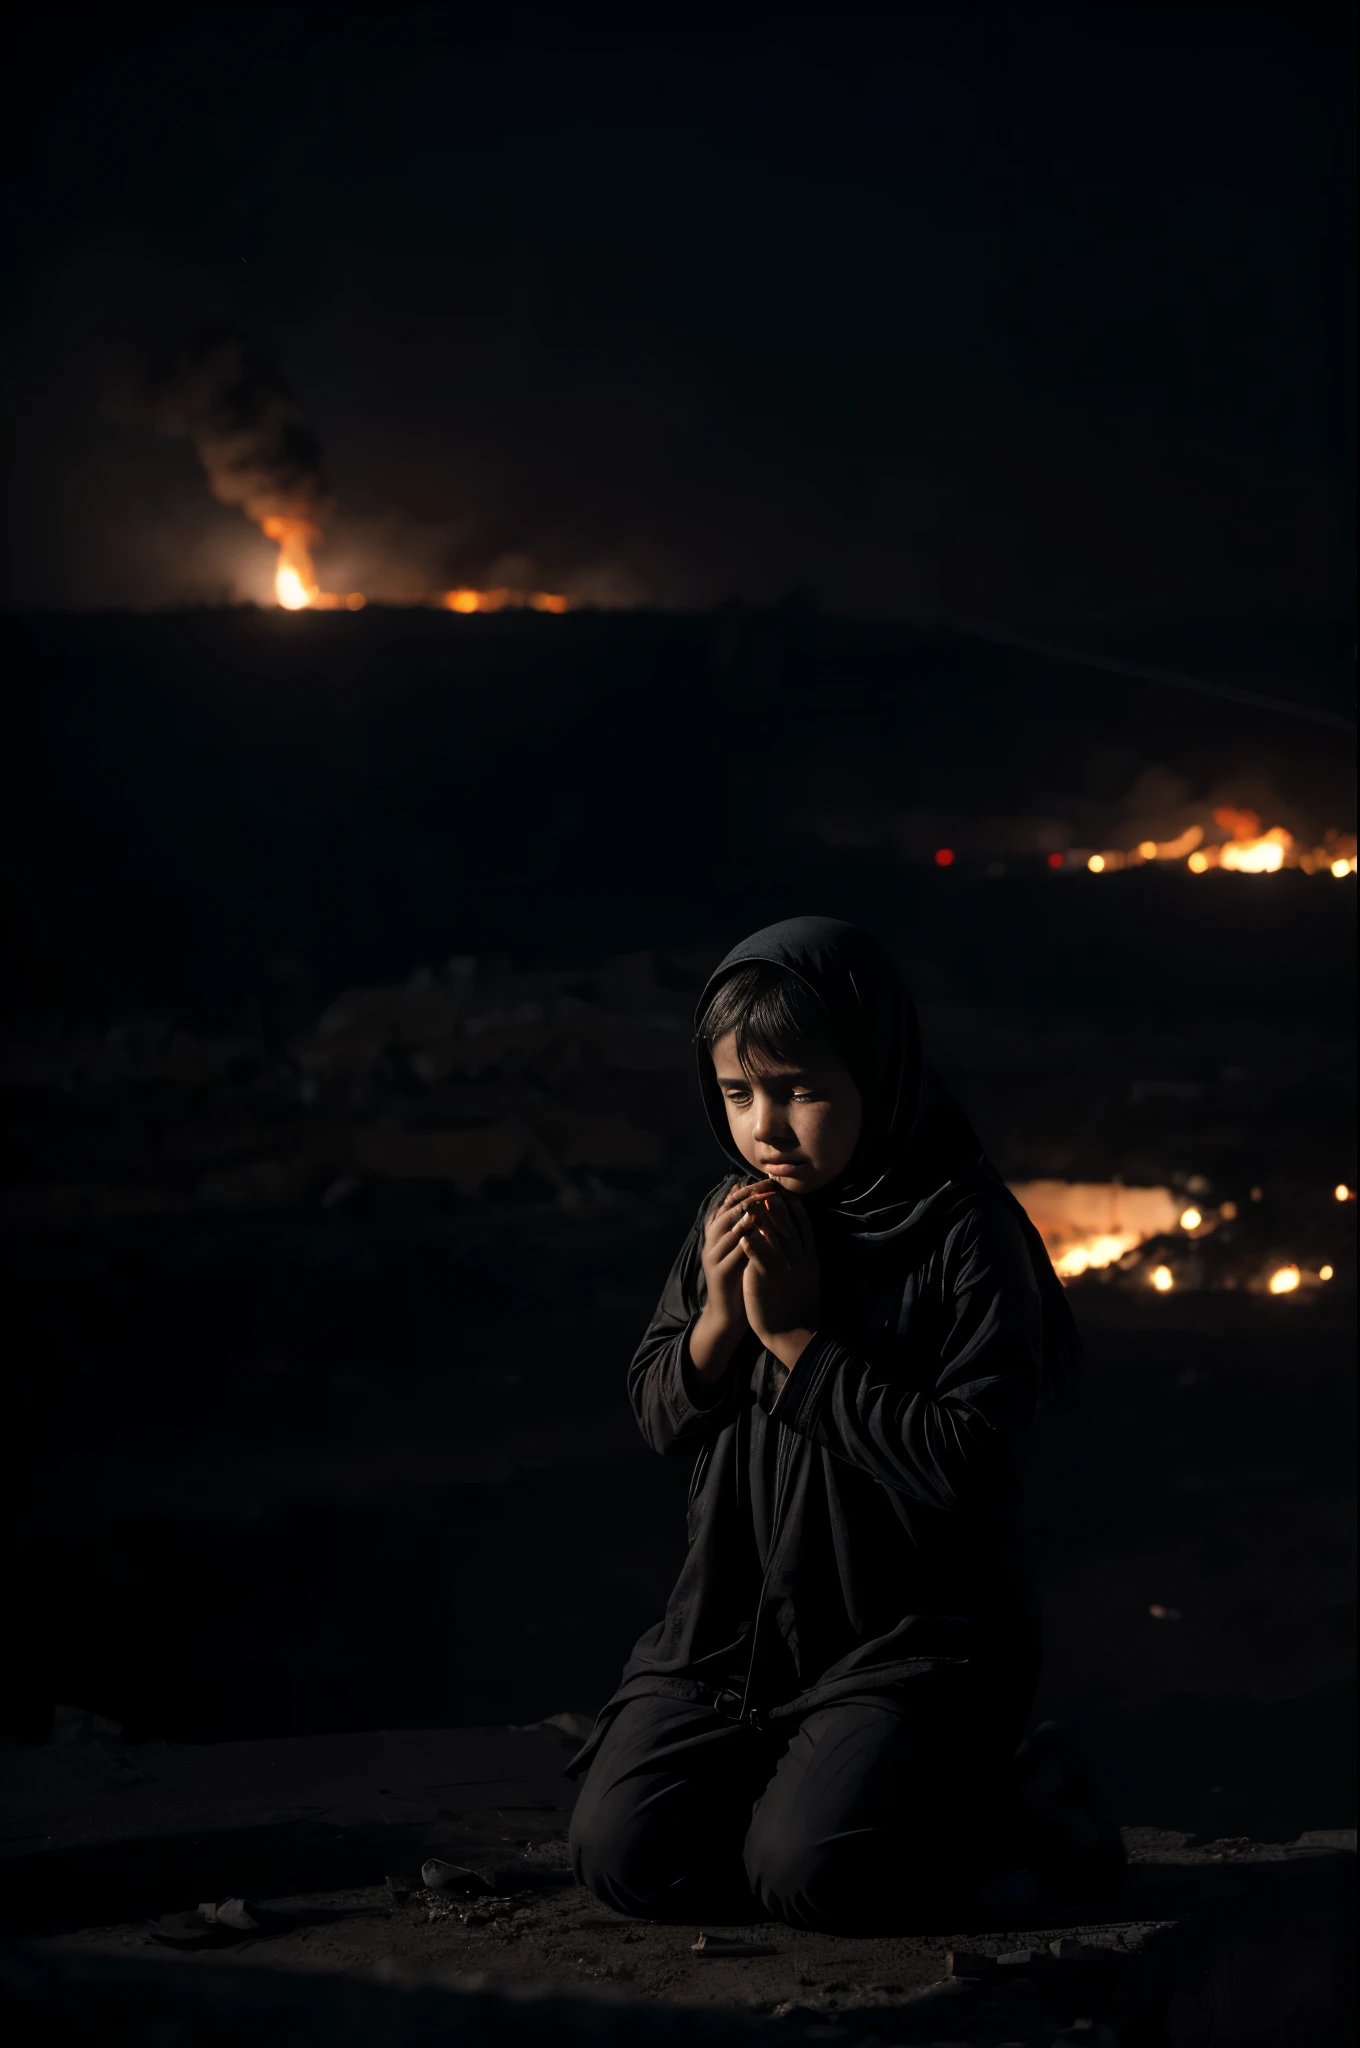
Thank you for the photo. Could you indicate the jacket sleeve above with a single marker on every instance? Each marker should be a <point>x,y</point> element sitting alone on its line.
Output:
<point>674,1412</point>
<point>941,1432</point>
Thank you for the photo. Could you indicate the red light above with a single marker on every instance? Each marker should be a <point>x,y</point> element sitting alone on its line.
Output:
<point>945,857</point>
<point>1055,860</point>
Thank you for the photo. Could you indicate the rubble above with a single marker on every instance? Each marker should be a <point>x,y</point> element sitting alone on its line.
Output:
<point>473,1082</point>
<point>571,1090</point>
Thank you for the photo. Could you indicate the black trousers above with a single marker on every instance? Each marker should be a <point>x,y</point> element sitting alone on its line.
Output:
<point>860,1818</point>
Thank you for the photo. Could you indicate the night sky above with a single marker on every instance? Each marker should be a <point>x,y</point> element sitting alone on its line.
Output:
<point>1043,315</point>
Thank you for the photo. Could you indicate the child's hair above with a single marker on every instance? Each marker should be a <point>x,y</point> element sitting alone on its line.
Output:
<point>774,1015</point>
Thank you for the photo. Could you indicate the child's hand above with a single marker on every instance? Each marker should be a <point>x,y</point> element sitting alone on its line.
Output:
<point>724,1262</point>
<point>782,1283</point>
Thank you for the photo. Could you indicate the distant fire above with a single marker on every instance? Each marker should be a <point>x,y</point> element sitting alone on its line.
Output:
<point>502,600</point>
<point>1244,850</point>
<point>295,584</point>
<point>296,587</point>
<point>1088,1227</point>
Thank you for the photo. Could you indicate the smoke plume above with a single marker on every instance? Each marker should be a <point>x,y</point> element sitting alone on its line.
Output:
<point>224,391</point>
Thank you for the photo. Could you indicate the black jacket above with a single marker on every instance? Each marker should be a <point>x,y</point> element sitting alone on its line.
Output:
<point>856,1520</point>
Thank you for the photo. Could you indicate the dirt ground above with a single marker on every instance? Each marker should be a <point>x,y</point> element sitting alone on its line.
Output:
<point>108,1835</point>
<point>1206,1472</point>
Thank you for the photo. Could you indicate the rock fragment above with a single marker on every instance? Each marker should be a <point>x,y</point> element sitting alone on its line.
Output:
<point>438,1876</point>
<point>713,1945</point>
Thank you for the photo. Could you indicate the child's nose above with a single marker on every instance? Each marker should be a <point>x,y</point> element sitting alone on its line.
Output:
<point>771,1120</point>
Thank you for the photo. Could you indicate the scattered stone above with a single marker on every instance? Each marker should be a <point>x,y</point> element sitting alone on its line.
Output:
<point>182,1930</point>
<point>438,1876</point>
<point>240,1915</point>
<point>724,1945</point>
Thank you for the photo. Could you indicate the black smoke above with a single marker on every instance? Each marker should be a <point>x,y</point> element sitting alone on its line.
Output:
<point>224,390</point>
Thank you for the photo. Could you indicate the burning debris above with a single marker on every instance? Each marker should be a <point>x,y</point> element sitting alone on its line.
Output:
<point>1227,838</point>
<point>1241,848</point>
<point>570,1090</point>
<point>226,394</point>
<point>1153,1236</point>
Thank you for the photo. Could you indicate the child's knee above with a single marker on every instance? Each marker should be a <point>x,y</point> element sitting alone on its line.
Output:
<point>614,1855</point>
<point>832,1887</point>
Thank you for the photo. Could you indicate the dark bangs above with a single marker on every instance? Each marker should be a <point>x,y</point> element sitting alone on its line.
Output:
<point>775,1016</point>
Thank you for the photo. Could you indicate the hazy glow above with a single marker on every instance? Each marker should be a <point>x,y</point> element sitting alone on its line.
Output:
<point>289,589</point>
<point>1162,1280</point>
<point>1285,1280</point>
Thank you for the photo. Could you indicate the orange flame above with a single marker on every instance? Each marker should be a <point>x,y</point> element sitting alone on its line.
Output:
<point>502,600</point>
<point>296,587</point>
<point>295,584</point>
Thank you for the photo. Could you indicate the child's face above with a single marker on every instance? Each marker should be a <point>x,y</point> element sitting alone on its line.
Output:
<point>799,1124</point>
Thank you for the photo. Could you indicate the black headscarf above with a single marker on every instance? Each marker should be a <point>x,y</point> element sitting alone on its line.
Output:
<point>916,1144</point>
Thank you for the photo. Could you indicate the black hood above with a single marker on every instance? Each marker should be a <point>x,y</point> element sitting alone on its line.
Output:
<point>916,1144</point>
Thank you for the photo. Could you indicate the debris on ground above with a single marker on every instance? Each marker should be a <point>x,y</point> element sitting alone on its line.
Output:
<point>713,1945</point>
<point>438,1876</point>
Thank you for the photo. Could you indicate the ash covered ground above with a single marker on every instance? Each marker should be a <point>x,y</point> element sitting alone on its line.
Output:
<point>353,1050</point>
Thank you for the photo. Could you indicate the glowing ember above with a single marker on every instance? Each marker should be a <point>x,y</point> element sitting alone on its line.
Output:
<point>1343,1193</point>
<point>296,587</point>
<point>503,600</point>
<point>1089,1225</point>
<point>1326,1272</point>
<point>1246,850</point>
<point>1162,1279</point>
<point>1101,1251</point>
<point>289,588</point>
<point>1191,1220</point>
<point>1285,1280</point>
<point>1263,856</point>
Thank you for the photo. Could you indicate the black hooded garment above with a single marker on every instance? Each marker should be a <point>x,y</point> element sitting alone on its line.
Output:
<point>854,1522</point>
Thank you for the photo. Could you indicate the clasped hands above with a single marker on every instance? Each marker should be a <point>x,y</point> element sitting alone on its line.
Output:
<point>761,1268</point>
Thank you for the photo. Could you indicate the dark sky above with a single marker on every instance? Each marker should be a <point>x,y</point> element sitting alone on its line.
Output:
<point>1040,314</point>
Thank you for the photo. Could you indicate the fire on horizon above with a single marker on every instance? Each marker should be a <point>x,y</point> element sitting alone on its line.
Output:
<point>296,587</point>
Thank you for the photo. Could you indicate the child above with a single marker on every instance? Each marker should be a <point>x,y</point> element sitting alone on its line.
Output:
<point>851,1346</point>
